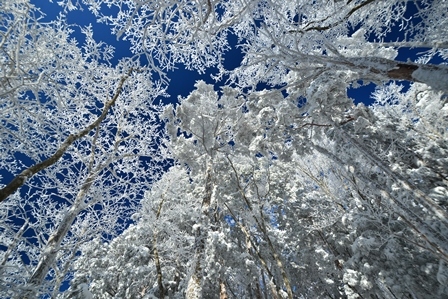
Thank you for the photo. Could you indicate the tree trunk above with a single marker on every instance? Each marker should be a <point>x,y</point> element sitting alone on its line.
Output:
<point>435,76</point>
<point>156,256</point>
<point>54,242</point>
<point>222,290</point>
<point>402,71</point>
<point>194,288</point>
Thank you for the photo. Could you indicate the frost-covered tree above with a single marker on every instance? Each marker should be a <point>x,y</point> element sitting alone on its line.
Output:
<point>78,145</point>
<point>283,208</point>
<point>324,41</point>
<point>318,41</point>
<point>323,153</point>
<point>282,193</point>
<point>404,133</point>
<point>151,257</point>
<point>165,32</point>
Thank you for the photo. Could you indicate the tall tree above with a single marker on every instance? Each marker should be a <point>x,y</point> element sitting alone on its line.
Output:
<point>151,257</point>
<point>286,208</point>
<point>277,193</point>
<point>79,142</point>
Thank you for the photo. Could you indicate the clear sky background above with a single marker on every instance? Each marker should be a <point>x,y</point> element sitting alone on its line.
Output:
<point>182,80</point>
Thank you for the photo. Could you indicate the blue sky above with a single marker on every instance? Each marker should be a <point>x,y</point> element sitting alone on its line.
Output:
<point>182,80</point>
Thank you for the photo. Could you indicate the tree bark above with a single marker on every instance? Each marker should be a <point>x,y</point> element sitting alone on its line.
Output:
<point>222,290</point>
<point>402,72</point>
<point>157,258</point>
<point>435,76</point>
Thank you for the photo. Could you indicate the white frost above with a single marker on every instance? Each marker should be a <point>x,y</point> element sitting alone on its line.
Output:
<point>436,78</point>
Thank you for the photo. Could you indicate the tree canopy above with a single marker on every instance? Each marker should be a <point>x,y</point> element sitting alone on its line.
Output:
<point>272,183</point>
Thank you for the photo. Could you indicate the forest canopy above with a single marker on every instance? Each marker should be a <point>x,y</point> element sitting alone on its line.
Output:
<point>270,183</point>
